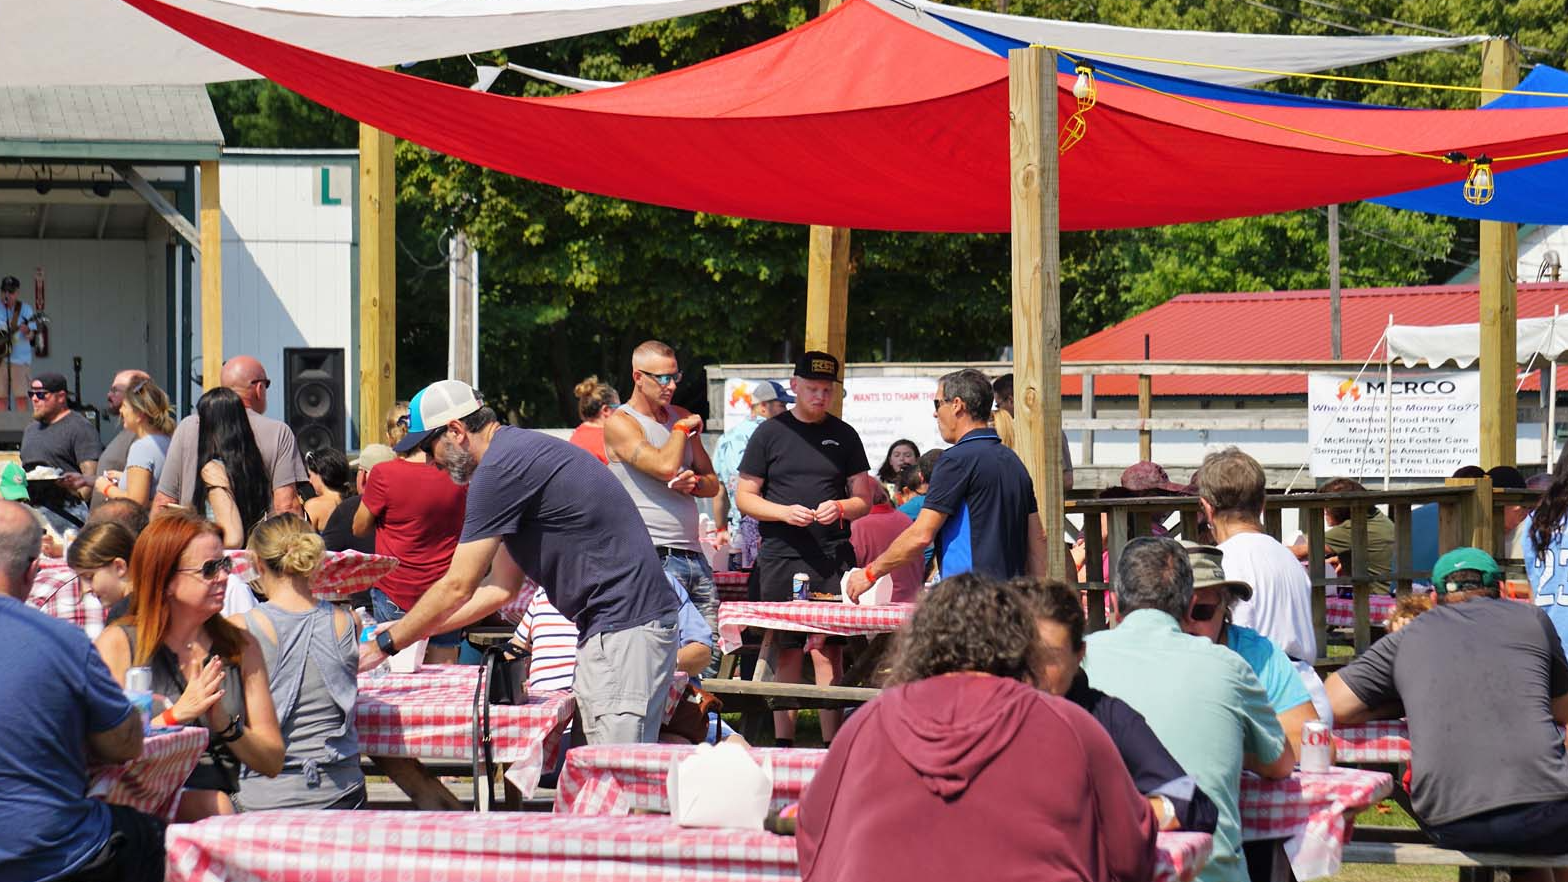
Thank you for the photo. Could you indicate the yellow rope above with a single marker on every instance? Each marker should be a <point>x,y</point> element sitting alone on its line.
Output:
<point>1313,76</point>
<point>1307,132</point>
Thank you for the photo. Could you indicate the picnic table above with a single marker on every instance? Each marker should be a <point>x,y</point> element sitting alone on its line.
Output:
<point>1341,611</point>
<point>730,585</point>
<point>829,618</point>
<point>151,782</point>
<point>1306,811</point>
<point>405,720</point>
<point>465,847</point>
<point>450,847</point>
<point>1377,742</point>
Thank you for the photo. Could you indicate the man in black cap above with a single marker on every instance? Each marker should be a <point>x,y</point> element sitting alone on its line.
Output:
<point>804,477</point>
<point>61,439</point>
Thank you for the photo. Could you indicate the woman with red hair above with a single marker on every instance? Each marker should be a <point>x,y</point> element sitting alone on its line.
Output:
<point>213,672</point>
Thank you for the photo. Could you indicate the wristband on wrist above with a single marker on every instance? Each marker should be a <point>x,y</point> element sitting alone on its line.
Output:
<point>871,575</point>
<point>167,718</point>
<point>840,504</point>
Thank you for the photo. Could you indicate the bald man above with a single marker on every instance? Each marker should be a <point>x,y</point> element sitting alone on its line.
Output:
<point>248,379</point>
<point>119,449</point>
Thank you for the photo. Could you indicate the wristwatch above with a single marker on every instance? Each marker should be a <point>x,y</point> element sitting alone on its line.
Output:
<point>384,642</point>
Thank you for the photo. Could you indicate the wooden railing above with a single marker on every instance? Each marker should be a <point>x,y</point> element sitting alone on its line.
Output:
<point>1470,512</point>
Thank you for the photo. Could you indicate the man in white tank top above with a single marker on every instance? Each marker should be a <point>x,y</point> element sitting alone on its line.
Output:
<point>655,449</point>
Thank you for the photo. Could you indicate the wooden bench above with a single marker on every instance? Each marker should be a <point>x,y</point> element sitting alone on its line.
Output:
<point>1474,866</point>
<point>755,700</point>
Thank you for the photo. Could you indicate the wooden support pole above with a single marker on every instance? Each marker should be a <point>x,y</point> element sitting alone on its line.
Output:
<point>1037,313</point>
<point>377,281</point>
<point>1145,411</point>
<point>827,285</point>
<point>1499,295</point>
<point>211,218</point>
<point>827,297</point>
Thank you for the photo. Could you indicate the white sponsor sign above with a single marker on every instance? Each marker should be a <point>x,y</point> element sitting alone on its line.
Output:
<point>881,409</point>
<point>1436,423</point>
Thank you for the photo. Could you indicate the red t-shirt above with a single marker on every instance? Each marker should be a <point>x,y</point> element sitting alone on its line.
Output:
<point>419,515</point>
<point>590,437</point>
<point>872,534</point>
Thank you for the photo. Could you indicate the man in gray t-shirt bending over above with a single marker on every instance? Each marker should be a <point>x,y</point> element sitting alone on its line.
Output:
<point>565,521</point>
<point>1483,685</point>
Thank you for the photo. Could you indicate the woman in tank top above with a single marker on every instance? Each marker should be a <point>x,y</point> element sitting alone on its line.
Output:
<point>312,660</point>
<point>210,673</point>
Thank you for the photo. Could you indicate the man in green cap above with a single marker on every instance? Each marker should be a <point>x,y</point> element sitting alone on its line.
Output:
<point>1483,686</point>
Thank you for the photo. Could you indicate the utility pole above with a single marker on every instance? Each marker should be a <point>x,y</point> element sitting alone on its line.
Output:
<point>1333,282</point>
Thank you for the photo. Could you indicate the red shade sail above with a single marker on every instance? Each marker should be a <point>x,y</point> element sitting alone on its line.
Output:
<point>858,119</point>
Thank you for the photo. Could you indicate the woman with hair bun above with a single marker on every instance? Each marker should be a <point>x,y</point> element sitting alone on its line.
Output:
<point>312,657</point>
<point>596,403</point>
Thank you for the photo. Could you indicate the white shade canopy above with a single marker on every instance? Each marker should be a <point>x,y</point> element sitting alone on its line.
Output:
<point>1281,52</point>
<point>108,43</point>
<point>1539,339</point>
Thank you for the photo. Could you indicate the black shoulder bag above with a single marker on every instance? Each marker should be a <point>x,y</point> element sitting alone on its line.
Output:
<point>503,679</point>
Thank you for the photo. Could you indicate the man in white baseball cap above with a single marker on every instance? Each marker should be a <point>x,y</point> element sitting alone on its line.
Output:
<point>541,506</point>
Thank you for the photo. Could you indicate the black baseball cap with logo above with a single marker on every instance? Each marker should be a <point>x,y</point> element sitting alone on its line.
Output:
<point>816,365</point>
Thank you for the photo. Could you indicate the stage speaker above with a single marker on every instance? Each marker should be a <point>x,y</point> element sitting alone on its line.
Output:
<point>314,397</point>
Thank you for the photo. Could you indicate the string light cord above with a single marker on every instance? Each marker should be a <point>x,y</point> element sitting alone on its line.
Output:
<point>1337,78</point>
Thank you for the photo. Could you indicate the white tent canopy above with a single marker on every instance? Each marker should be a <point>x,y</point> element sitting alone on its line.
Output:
<point>109,43</point>
<point>1297,54</point>
<point>1539,340</point>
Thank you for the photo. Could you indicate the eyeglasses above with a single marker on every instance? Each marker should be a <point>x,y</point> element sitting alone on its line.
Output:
<point>936,403</point>
<point>1202,612</point>
<point>210,569</point>
<point>664,379</point>
<point>265,383</point>
<point>39,393</point>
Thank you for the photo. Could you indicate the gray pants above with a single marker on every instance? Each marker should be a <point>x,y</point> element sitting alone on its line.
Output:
<point>623,681</point>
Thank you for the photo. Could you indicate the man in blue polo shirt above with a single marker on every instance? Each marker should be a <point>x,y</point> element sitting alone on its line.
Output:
<point>980,509</point>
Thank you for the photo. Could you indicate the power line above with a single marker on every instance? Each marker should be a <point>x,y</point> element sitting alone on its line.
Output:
<point>1386,239</point>
<point>1322,4</point>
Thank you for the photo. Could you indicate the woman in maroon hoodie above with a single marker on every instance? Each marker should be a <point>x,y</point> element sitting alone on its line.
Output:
<point>965,770</point>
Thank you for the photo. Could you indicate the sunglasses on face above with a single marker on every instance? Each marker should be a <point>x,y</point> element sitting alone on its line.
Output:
<point>39,393</point>
<point>936,403</point>
<point>1202,612</point>
<point>210,569</point>
<point>664,379</point>
<point>265,383</point>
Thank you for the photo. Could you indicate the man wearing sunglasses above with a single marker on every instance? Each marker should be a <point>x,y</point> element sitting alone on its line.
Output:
<point>247,378</point>
<point>1209,618</point>
<point>1203,701</point>
<point>979,508</point>
<point>655,450</point>
<point>60,438</point>
<point>563,519</point>
<point>1483,686</point>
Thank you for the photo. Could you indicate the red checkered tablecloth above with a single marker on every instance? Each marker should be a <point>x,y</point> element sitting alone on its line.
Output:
<point>1306,808</point>
<point>151,782</point>
<point>840,619</point>
<point>731,585</point>
<point>434,721</point>
<point>1382,741</point>
<point>344,572</point>
<point>294,846</point>
<point>1342,611</point>
<point>467,677</point>
<point>1308,811</point>
<point>58,593</point>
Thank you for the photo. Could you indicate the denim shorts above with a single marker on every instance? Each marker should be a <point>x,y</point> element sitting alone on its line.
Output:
<point>382,607</point>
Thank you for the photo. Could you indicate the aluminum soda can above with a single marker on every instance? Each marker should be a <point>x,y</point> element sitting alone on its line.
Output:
<point>800,586</point>
<point>1315,741</point>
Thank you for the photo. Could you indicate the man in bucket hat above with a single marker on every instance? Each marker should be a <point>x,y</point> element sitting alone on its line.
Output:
<point>541,506</point>
<point>1483,686</point>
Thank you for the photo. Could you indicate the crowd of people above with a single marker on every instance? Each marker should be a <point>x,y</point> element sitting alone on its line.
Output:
<point>1208,672</point>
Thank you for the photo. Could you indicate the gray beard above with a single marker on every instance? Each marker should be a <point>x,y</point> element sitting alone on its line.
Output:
<point>459,465</point>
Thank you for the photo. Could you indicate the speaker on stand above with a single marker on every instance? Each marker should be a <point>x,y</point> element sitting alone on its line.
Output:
<point>315,397</point>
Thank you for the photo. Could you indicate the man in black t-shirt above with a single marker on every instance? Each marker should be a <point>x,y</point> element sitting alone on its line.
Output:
<point>804,477</point>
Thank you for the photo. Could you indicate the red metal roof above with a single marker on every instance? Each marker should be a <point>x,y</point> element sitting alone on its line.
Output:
<point>1280,325</point>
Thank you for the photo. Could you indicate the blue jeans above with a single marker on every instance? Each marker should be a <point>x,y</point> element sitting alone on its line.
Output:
<point>693,573</point>
<point>382,607</point>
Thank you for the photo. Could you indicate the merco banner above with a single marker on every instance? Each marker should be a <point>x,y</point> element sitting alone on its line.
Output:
<point>1434,427</point>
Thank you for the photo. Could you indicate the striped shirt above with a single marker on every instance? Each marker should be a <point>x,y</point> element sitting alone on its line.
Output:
<point>552,638</point>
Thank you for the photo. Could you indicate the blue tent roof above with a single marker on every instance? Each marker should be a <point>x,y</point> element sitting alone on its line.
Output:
<point>1536,194</point>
